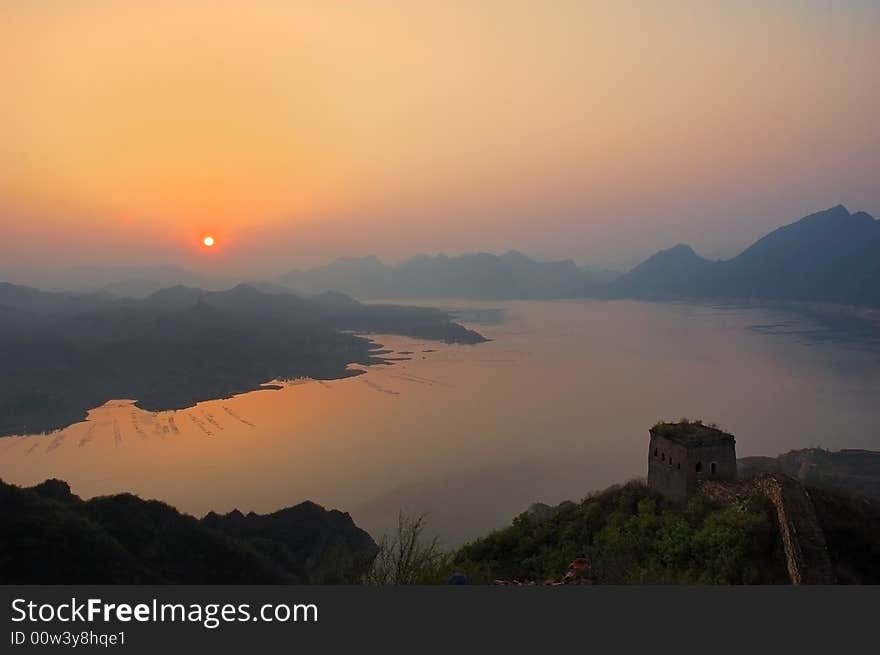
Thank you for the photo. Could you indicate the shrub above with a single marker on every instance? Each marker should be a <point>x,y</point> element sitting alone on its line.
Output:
<point>408,557</point>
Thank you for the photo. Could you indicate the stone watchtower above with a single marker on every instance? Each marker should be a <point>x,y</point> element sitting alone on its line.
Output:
<point>681,454</point>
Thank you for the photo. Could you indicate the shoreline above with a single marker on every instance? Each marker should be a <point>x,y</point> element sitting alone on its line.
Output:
<point>173,401</point>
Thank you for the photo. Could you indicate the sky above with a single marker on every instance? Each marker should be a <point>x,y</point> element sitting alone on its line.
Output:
<point>298,132</point>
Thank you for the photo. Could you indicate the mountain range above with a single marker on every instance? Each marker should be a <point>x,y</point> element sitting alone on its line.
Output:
<point>478,276</point>
<point>831,256</point>
<point>51,536</point>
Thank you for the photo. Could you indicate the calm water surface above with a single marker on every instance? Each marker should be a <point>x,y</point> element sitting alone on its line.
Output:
<point>557,405</point>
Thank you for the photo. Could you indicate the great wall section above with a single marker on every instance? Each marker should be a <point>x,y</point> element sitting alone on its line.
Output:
<point>806,553</point>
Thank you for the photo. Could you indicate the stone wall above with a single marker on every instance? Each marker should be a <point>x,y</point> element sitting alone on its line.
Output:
<point>720,456</point>
<point>806,553</point>
<point>675,470</point>
<point>668,471</point>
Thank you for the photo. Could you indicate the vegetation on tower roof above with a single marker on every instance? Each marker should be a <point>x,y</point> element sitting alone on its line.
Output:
<point>686,430</point>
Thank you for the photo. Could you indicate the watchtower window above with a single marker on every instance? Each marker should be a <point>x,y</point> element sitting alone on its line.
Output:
<point>655,452</point>
<point>712,468</point>
<point>678,465</point>
<point>699,467</point>
<point>663,457</point>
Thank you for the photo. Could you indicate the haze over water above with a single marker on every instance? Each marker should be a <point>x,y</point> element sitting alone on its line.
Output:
<point>558,404</point>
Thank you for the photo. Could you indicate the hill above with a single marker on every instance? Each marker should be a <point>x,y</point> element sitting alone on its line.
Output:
<point>63,354</point>
<point>631,535</point>
<point>832,256</point>
<point>50,536</point>
<point>852,472</point>
<point>663,275</point>
<point>125,281</point>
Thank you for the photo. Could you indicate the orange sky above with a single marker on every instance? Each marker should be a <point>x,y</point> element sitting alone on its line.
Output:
<point>296,132</point>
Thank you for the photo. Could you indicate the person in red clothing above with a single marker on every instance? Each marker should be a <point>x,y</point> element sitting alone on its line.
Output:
<point>579,570</point>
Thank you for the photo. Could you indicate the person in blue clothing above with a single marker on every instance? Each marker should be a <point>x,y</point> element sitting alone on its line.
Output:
<point>457,578</point>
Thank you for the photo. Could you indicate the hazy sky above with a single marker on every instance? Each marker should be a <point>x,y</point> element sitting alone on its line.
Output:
<point>295,131</point>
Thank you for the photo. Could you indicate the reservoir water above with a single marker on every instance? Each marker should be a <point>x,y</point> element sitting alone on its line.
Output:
<point>557,405</point>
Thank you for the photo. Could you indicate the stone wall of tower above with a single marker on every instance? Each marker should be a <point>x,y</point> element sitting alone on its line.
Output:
<point>668,470</point>
<point>715,461</point>
<point>674,469</point>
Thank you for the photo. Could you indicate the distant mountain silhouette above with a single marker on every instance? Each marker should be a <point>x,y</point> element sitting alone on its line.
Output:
<point>479,276</point>
<point>17,299</point>
<point>144,288</point>
<point>64,354</point>
<point>831,256</point>
<point>126,281</point>
<point>50,536</point>
<point>663,274</point>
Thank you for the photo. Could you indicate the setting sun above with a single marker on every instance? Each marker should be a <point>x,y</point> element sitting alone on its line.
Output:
<point>208,241</point>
